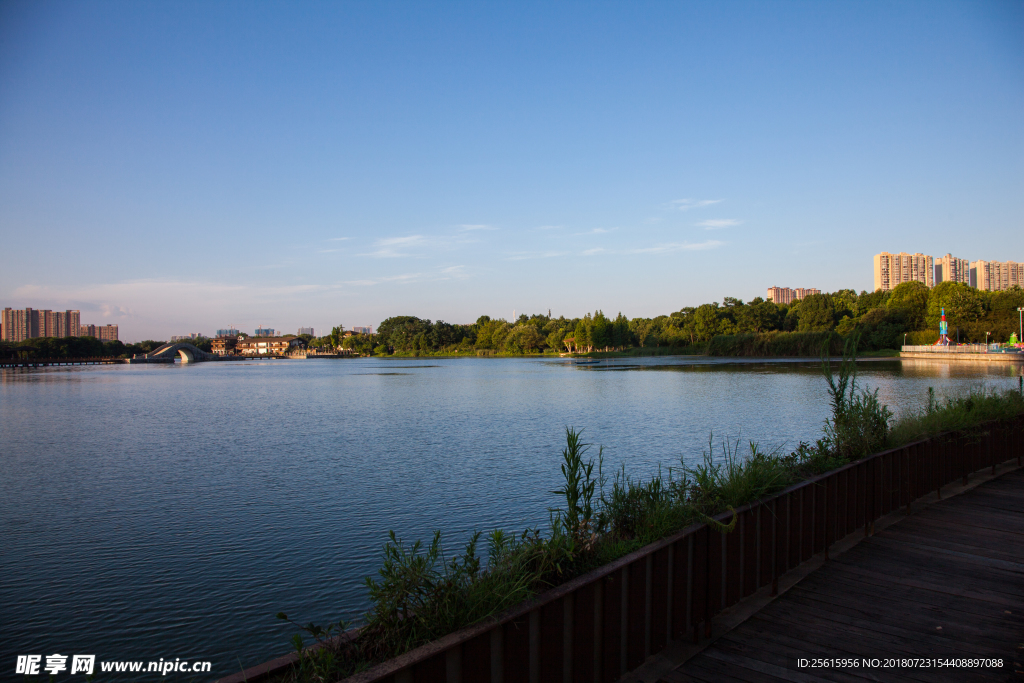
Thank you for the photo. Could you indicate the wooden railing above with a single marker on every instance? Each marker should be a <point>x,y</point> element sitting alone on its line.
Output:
<point>600,625</point>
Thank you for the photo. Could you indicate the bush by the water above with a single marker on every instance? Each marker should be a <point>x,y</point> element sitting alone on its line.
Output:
<point>775,344</point>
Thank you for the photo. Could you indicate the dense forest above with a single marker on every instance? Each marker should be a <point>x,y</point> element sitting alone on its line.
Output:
<point>732,327</point>
<point>757,328</point>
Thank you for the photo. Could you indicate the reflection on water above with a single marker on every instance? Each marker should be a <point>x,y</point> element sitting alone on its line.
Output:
<point>164,510</point>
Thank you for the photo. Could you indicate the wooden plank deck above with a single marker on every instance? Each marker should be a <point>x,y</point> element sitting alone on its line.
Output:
<point>946,582</point>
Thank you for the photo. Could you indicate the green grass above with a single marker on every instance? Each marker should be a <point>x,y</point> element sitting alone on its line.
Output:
<point>880,353</point>
<point>964,411</point>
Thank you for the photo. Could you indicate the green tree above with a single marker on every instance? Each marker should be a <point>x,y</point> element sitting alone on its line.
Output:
<point>817,313</point>
<point>641,329</point>
<point>964,304</point>
<point>705,321</point>
<point>601,331</point>
<point>337,334</point>
<point>555,337</point>
<point>912,299</point>
<point>400,332</point>
<point>523,338</point>
<point>759,316</point>
<point>845,302</point>
<point>622,336</point>
<point>582,334</point>
<point>868,300</point>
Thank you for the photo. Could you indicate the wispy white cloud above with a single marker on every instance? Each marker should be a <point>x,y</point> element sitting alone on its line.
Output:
<point>676,247</point>
<point>400,279</point>
<point>596,231</point>
<point>481,226</point>
<point>666,248</point>
<point>400,241</point>
<point>395,247</point>
<point>548,227</point>
<point>687,204</point>
<point>528,255</point>
<point>718,223</point>
<point>455,272</point>
<point>419,246</point>
<point>447,273</point>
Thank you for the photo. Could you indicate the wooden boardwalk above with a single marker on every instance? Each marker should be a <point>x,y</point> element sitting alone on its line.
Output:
<point>946,582</point>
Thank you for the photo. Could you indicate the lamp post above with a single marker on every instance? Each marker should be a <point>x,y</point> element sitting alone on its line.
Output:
<point>986,341</point>
<point>1020,315</point>
<point>904,338</point>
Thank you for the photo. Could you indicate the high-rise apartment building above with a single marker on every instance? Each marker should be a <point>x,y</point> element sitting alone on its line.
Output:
<point>785,295</point>
<point>895,269</point>
<point>28,323</point>
<point>101,332</point>
<point>18,324</point>
<point>306,330</point>
<point>949,268</point>
<point>72,320</point>
<point>48,324</point>
<point>995,276</point>
<point>228,332</point>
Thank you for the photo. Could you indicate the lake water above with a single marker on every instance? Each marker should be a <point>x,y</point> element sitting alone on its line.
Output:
<point>170,511</point>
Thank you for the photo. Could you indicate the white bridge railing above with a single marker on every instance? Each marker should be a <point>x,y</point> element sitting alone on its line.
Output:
<point>962,348</point>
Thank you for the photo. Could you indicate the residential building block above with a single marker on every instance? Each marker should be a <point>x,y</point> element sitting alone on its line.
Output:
<point>785,295</point>
<point>895,269</point>
<point>995,276</point>
<point>949,268</point>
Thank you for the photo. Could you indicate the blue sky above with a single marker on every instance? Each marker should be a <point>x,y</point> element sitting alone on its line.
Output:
<point>177,167</point>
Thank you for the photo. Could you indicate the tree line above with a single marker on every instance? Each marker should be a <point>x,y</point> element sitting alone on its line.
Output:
<point>74,347</point>
<point>911,311</point>
<point>883,320</point>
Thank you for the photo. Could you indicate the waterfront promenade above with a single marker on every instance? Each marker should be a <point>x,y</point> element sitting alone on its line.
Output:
<point>946,582</point>
<point>978,353</point>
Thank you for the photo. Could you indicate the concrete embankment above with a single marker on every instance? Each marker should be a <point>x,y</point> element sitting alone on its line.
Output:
<point>965,357</point>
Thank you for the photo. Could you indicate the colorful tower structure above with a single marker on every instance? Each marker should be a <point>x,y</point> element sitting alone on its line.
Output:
<point>943,330</point>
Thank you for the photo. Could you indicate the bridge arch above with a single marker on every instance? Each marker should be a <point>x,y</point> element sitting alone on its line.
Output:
<point>189,353</point>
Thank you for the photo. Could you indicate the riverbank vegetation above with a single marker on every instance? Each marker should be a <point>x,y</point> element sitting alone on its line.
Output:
<point>882,320</point>
<point>422,593</point>
<point>74,347</point>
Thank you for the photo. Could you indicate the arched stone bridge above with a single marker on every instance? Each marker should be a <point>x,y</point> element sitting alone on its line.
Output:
<point>168,352</point>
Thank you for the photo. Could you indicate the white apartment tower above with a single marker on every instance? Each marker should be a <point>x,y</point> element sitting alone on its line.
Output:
<point>895,269</point>
<point>949,268</point>
<point>785,295</point>
<point>995,276</point>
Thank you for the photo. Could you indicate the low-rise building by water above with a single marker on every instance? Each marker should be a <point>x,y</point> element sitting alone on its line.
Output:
<point>224,346</point>
<point>269,346</point>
